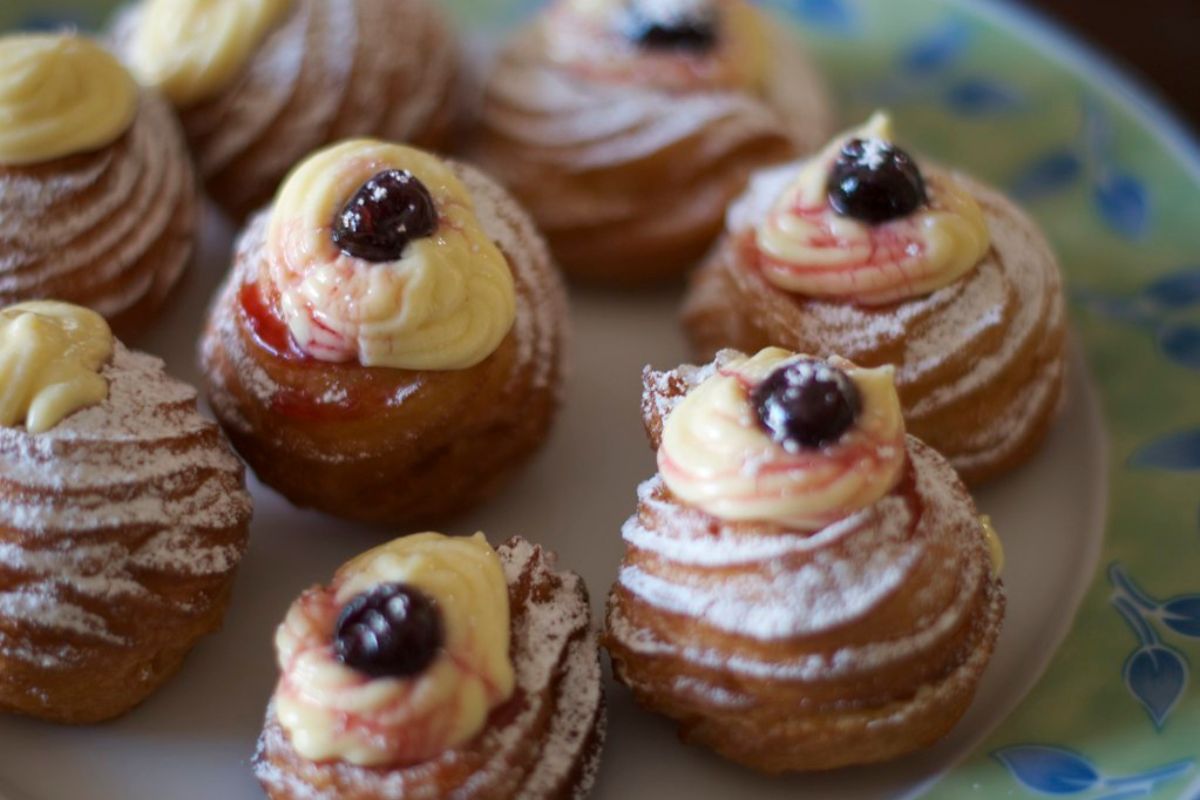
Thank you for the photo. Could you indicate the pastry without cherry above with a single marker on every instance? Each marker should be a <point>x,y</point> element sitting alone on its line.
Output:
<point>123,516</point>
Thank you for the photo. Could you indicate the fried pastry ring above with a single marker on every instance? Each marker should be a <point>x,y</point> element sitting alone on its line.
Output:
<point>383,444</point>
<point>788,650</point>
<point>629,176</point>
<point>121,527</point>
<point>107,222</point>
<point>980,363</point>
<point>322,72</point>
<point>544,743</point>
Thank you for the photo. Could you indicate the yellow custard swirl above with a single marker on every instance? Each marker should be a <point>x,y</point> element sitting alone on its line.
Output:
<point>51,355</point>
<point>60,95</point>
<point>715,456</point>
<point>994,545</point>
<point>332,712</point>
<point>192,49</point>
<point>446,304</point>
<point>811,250</point>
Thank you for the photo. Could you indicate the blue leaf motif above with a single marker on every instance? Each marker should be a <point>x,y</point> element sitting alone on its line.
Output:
<point>1157,676</point>
<point>1176,291</point>
<point>833,15</point>
<point>1178,452</point>
<point>1051,173</point>
<point>1181,343</point>
<point>1050,770</point>
<point>938,49</point>
<point>1124,204</point>
<point>1182,615</point>
<point>980,96</point>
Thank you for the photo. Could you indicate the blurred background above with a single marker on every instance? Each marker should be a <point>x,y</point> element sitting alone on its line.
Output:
<point>1157,40</point>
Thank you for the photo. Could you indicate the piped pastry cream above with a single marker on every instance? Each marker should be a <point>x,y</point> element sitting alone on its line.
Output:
<point>60,95</point>
<point>192,49</point>
<point>51,355</point>
<point>441,298</point>
<point>809,246</point>
<point>718,455</point>
<point>722,45</point>
<point>994,545</point>
<point>332,709</point>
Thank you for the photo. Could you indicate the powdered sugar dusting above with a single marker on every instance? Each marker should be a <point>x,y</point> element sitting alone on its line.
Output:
<point>804,586</point>
<point>138,485</point>
<point>329,71</point>
<point>123,219</point>
<point>537,331</point>
<point>951,348</point>
<point>556,660</point>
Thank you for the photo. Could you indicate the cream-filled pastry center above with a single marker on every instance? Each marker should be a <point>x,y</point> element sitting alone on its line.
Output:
<point>51,356</point>
<point>446,303</point>
<point>717,456</point>
<point>60,95</point>
<point>810,249</point>
<point>192,49</point>
<point>331,711</point>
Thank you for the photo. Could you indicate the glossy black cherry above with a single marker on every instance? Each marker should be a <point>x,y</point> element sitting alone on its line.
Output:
<point>807,404</point>
<point>391,631</point>
<point>672,25</point>
<point>390,210</point>
<point>875,181</point>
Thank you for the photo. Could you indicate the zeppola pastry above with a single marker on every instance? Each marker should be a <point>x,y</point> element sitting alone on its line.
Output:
<point>864,252</point>
<point>98,201</point>
<point>437,667</point>
<point>626,126</point>
<point>389,344</point>
<point>804,587</point>
<point>123,515</point>
<point>260,84</point>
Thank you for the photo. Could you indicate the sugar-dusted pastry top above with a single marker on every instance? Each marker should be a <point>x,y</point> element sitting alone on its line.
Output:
<point>441,299</point>
<point>810,245</point>
<point>60,94</point>
<point>133,502</point>
<point>718,452</point>
<point>332,710</point>
<point>51,355</point>
<point>544,744</point>
<point>678,45</point>
<point>191,49</point>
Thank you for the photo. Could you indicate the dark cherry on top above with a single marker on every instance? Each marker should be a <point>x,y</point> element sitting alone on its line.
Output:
<point>391,631</point>
<point>390,210</point>
<point>874,181</point>
<point>807,404</point>
<point>685,29</point>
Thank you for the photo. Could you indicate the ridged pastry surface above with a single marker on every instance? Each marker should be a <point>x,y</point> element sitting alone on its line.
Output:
<point>328,71</point>
<point>544,744</point>
<point>305,426</point>
<point>615,173</point>
<point>120,529</point>
<point>111,229</point>
<point>979,364</point>
<point>787,650</point>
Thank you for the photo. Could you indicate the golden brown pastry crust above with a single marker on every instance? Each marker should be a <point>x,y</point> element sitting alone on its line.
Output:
<point>544,744</point>
<point>787,651</point>
<point>383,68</point>
<point>120,532</point>
<point>980,364</point>
<point>112,229</point>
<point>390,445</point>
<point>615,209</point>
